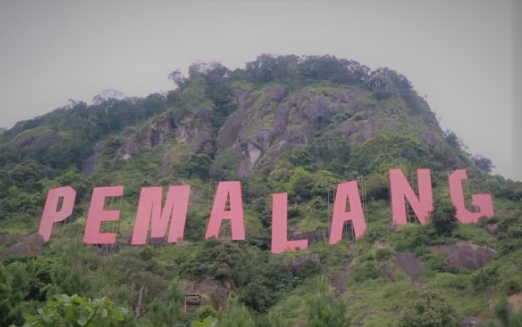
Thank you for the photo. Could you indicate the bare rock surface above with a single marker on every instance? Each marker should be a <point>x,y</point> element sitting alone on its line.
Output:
<point>410,264</point>
<point>29,245</point>
<point>340,281</point>
<point>472,322</point>
<point>516,301</point>
<point>465,255</point>
<point>45,140</point>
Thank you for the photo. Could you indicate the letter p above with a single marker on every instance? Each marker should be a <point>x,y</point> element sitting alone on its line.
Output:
<point>51,214</point>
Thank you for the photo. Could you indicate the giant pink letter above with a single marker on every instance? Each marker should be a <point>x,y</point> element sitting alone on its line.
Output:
<point>280,241</point>
<point>176,207</point>
<point>348,191</point>
<point>483,201</point>
<point>401,189</point>
<point>50,215</point>
<point>97,215</point>
<point>224,191</point>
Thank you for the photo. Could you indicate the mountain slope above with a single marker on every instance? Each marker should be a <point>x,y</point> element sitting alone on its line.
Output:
<point>282,124</point>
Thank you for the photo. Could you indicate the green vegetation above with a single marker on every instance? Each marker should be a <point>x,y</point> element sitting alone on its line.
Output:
<point>77,311</point>
<point>291,124</point>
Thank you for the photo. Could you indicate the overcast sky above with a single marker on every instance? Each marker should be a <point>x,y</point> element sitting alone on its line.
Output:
<point>458,53</point>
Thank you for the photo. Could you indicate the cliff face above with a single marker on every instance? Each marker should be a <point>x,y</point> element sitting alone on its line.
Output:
<point>271,120</point>
<point>282,124</point>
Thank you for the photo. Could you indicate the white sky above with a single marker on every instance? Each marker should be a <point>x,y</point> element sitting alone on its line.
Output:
<point>458,53</point>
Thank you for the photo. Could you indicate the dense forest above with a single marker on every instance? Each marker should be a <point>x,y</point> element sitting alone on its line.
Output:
<point>292,124</point>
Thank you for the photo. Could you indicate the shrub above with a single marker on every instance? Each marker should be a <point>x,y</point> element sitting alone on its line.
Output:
<point>300,184</point>
<point>435,262</point>
<point>298,158</point>
<point>78,311</point>
<point>384,254</point>
<point>443,218</point>
<point>377,187</point>
<point>198,165</point>
<point>485,278</point>
<point>483,163</point>
<point>365,271</point>
<point>325,310</point>
<point>411,237</point>
<point>225,166</point>
<point>429,310</point>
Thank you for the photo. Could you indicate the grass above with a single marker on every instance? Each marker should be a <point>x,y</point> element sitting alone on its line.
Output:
<point>374,302</point>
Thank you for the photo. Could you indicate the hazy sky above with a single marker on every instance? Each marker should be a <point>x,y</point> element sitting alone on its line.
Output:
<point>459,53</point>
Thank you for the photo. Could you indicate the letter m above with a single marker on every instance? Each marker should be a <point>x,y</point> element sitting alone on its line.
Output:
<point>150,213</point>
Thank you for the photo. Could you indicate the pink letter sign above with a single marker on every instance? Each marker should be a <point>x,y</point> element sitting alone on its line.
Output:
<point>50,214</point>
<point>224,191</point>
<point>401,189</point>
<point>280,241</point>
<point>97,215</point>
<point>176,207</point>
<point>348,191</point>
<point>483,201</point>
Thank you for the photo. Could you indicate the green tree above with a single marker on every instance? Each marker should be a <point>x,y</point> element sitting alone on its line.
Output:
<point>300,184</point>
<point>429,310</point>
<point>443,217</point>
<point>13,290</point>
<point>214,259</point>
<point>453,140</point>
<point>198,165</point>
<point>236,315</point>
<point>378,186</point>
<point>483,163</point>
<point>69,281</point>
<point>324,309</point>
<point>505,314</point>
<point>76,311</point>
<point>225,166</point>
<point>167,311</point>
<point>205,316</point>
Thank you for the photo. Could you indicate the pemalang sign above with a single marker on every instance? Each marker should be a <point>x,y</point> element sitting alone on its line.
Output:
<point>151,213</point>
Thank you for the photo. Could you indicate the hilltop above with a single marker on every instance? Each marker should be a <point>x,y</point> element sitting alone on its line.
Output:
<point>299,125</point>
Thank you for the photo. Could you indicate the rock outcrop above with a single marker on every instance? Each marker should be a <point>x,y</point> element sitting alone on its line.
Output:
<point>473,322</point>
<point>465,255</point>
<point>29,140</point>
<point>272,121</point>
<point>410,264</point>
<point>29,246</point>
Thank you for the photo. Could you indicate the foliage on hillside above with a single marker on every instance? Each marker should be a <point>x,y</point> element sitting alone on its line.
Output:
<point>287,124</point>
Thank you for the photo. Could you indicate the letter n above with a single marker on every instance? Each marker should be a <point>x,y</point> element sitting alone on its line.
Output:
<point>176,206</point>
<point>401,190</point>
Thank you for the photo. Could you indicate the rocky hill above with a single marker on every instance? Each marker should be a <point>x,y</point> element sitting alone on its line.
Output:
<point>299,125</point>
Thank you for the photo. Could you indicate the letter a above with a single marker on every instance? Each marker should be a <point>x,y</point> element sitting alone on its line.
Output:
<point>224,191</point>
<point>401,189</point>
<point>50,215</point>
<point>176,207</point>
<point>347,191</point>
<point>280,241</point>
<point>483,201</point>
